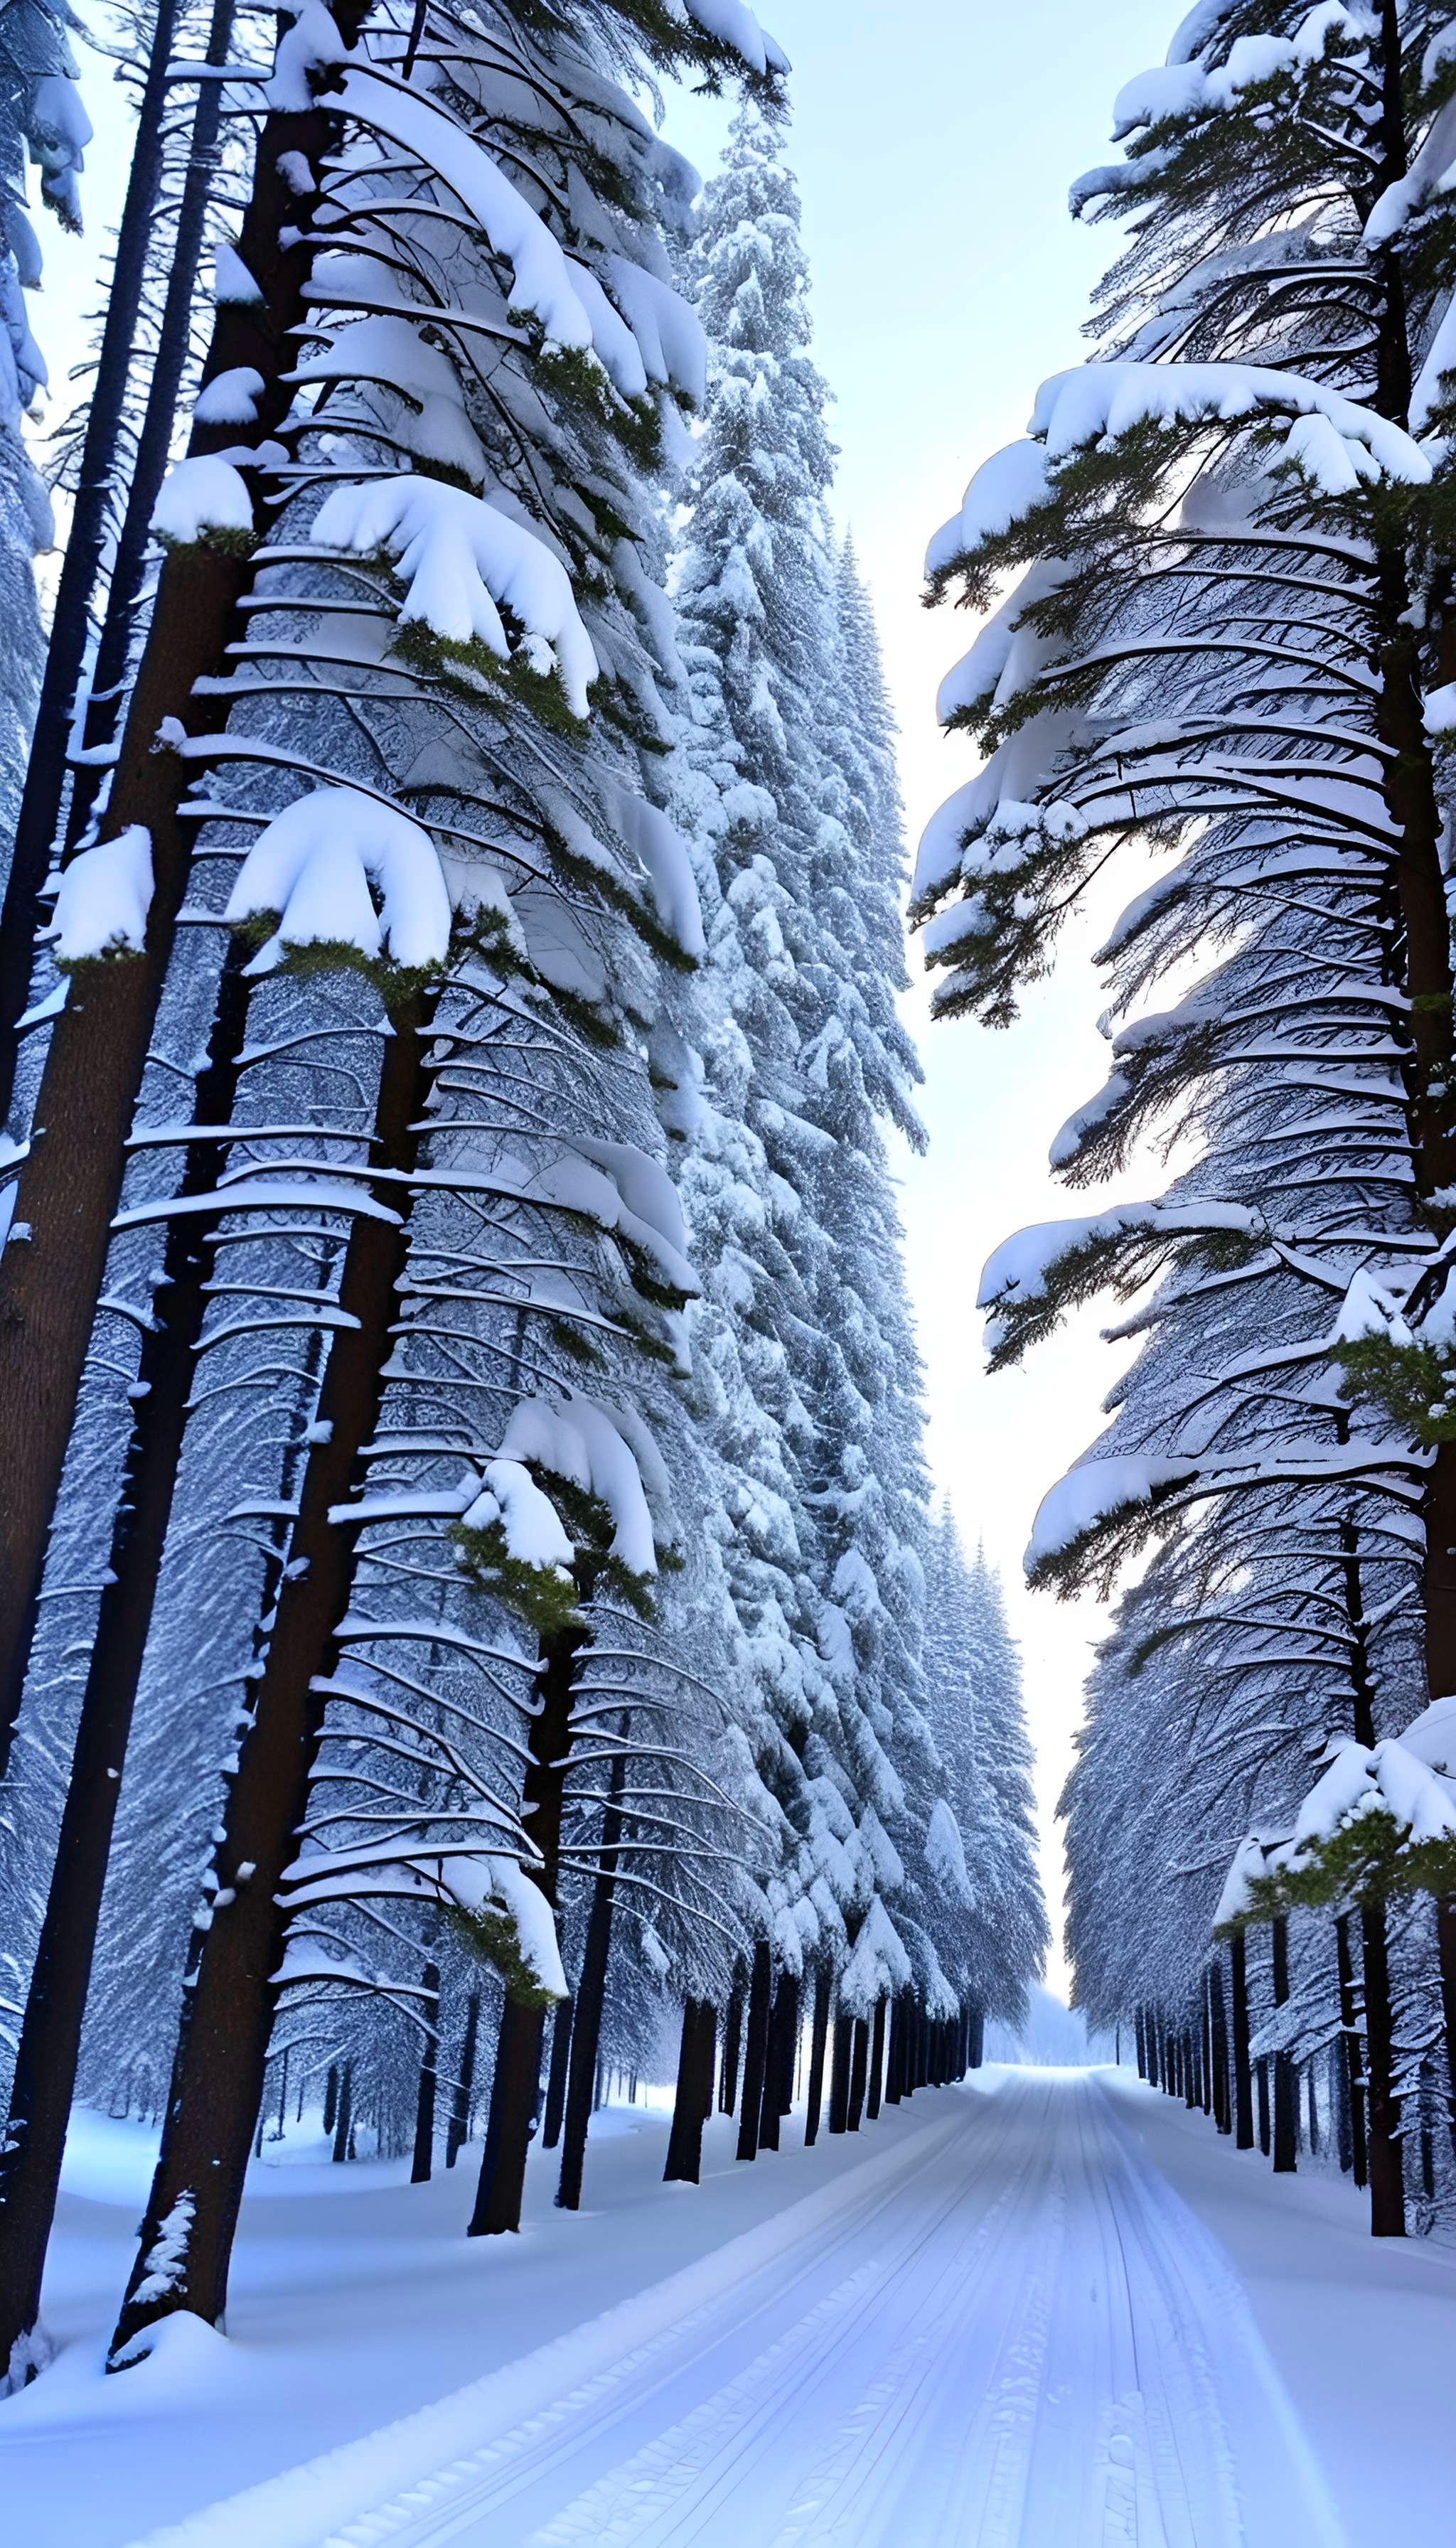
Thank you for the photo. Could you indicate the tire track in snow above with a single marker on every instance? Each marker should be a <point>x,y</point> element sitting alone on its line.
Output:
<point>1005,2331</point>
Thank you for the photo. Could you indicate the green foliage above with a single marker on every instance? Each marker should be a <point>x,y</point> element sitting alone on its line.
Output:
<point>490,1935</point>
<point>397,984</point>
<point>217,540</point>
<point>1370,1856</point>
<point>546,1599</point>
<point>1413,1383</point>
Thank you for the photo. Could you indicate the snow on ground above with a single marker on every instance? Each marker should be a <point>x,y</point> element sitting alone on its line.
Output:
<point>1048,2311</point>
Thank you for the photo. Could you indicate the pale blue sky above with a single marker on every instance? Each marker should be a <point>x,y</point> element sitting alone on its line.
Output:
<point>934,144</point>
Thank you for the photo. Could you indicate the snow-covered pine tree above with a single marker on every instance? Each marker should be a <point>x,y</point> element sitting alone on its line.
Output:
<point>788,1191</point>
<point>573,853</point>
<point>981,1844</point>
<point>1233,606</point>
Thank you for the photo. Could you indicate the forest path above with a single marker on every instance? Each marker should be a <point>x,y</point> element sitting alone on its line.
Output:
<point>1006,2331</point>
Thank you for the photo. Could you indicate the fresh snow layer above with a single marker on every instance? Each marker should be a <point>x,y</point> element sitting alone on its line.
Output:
<point>991,2321</point>
<point>313,868</point>
<point>104,898</point>
<point>459,558</point>
<point>200,494</point>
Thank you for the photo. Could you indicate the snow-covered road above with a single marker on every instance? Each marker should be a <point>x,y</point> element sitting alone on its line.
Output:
<point>1003,2331</point>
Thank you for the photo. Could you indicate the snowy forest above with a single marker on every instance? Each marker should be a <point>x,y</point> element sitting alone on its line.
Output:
<point>473,1603</point>
<point>1218,656</point>
<point>542,1842</point>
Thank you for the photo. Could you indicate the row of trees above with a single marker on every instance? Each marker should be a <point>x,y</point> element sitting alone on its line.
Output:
<point>1220,642</point>
<point>469,1585</point>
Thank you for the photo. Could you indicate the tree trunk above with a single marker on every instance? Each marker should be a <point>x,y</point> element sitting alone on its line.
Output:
<point>1446,1961</point>
<point>778,2064</point>
<point>591,2000</point>
<point>422,2161</point>
<point>754,2053</point>
<point>1339,2099</point>
<point>818,2040</point>
<point>513,2085</point>
<point>1218,2034</point>
<point>229,2011</point>
<point>343,2121</point>
<point>839,2074</point>
<point>465,2084</point>
<point>50,2045</point>
<point>732,2045</point>
<point>894,2086</point>
<point>96,489</point>
<point>1383,2113</point>
<point>876,2062</point>
<point>694,2089</point>
<point>561,2045</point>
<point>858,2067</point>
<point>1349,2020</point>
<point>1243,2116</point>
<point>101,709</point>
<point>1286,2106</point>
<point>516,2086</point>
<point>1261,2075</point>
<point>71,1181</point>
<point>330,2097</point>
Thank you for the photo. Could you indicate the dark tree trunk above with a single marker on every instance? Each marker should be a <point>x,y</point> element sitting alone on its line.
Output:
<point>818,2040</point>
<point>1286,2102</point>
<point>153,443</point>
<point>423,2163</point>
<point>779,2067</point>
<point>591,2000</point>
<point>70,1183</point>
<point>1243,2116</point>
<point>1339,2099</point>
<point>695,2091</point>
<point>1261,2075</point>
<point>1351,2032</point>
<point>1383,2113</point>
<point>839,2074</point>
<point>343,2121</point>
<point>465,2084</point>
<point>330,2097</point>
<point>223,2039</point>
<point>50,2045</point>
<point>561,2045</point>
<point>513,2085</point>
<point>96,489</point>
<point>1313,2110</point>
<point>517,2085</point>
<point>1219,2046</point>
<point>754,2054</point>
<point>894,2086</point>
<point>732,2046</point>
<point>1446,1962</point>
<point>876,2062</point>
<point>858,2067</point>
